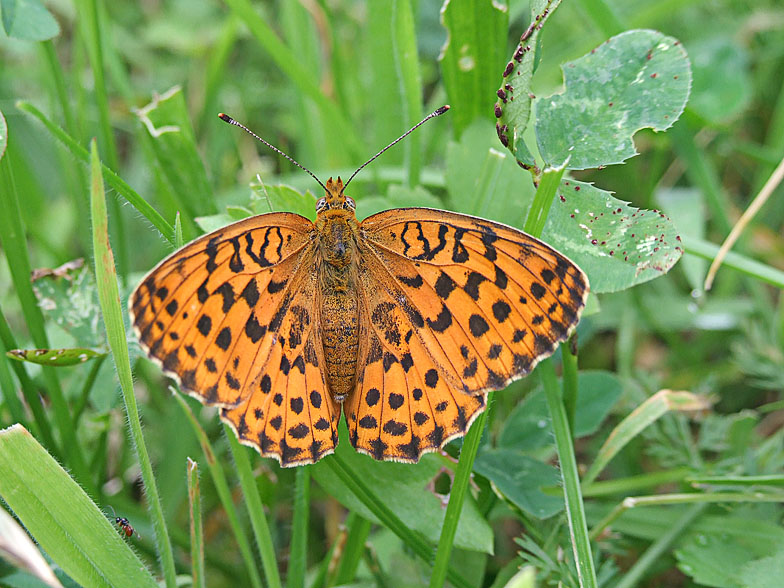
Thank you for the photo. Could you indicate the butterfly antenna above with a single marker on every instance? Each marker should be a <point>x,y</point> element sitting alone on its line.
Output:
<point>433,114</point>
<point>231,121</point>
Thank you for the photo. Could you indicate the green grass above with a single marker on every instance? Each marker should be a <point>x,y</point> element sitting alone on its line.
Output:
<point>581,470</point>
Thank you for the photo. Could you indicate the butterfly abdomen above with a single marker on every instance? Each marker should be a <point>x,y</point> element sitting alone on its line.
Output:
<point>340,336</point>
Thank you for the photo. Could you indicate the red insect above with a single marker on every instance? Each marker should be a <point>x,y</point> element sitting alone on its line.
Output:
<point>124,524</point>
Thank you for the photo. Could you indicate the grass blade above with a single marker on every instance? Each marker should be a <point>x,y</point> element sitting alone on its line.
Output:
<point>298,551</point>
<point>109,295</point>
<point>197,533</point>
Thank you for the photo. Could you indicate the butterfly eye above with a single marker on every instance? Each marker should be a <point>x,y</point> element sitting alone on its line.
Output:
<point>350,203</point>
<point>321,204</point>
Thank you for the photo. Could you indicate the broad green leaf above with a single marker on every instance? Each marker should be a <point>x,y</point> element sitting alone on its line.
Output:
<point>763,573</point>
<point>17,548</point>
<point>68,297</point>
<point>687,209</point>
<point>54,357</point>
<point>528,426</point>
<point>616,244</point>
<point>722,88</point>
<point>472,57</point>
<point>28,20</point>
<point>713,560</point>
<point>398,196</point>
<point>483,181</point>
<point>638,79</point>
<point>519,479</point>
<point>513,108</point>
<point>61,517</point>
<point>403,488</point>
<point>281,198</point>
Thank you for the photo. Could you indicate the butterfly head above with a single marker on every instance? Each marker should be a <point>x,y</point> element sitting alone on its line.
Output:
<point>335,199</point>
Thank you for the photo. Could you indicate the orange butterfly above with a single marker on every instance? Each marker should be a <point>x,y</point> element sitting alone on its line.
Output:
<point>404,320</point>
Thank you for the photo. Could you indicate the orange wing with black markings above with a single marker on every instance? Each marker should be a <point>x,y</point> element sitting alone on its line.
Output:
<point>226,313</point>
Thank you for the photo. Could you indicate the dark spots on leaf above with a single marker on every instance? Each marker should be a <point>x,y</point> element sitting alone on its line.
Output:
<point>204,324</point>
<point>537,290</point>
<point>395,428</point>
<point>223,340</point>
<point>368,422</point>
<point>444,285</point>
<point>372,397</point>
<point>431,378</point>
<point>501,310</point>
<point>477,325</point>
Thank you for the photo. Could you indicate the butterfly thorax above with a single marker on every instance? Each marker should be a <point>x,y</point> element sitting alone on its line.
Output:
<point>337,228</point>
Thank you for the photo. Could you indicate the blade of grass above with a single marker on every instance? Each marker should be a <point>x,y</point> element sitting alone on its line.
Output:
<point>570,377</point>
<point>288,63</point>
<point>112,178</point>
<point>12,238</point>
<point>409,81</point>
<point>255,509</point>
<point>62,518</point>
<point>575,509</point>
<point>456,498</point>
<point>390,520</point>
<point>298,551</point>
<point>8,390</point>
<point>357,531</point>
<point>109,296</point>
<point>736,261</point>
<point>197,533</point>
<point>224,492</point>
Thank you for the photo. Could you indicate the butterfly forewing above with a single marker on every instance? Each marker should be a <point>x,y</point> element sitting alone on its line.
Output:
<point>231,308</point>
<point>491,300</point>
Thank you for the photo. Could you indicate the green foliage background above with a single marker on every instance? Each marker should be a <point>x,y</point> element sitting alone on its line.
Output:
<point>330,82</point>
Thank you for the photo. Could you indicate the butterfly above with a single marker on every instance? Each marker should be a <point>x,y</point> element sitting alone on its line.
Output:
<point>403,322</point>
